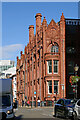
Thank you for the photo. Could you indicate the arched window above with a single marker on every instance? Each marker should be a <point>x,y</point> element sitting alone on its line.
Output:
<point>55,49</point>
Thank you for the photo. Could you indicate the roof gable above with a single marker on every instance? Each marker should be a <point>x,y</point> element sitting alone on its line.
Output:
<point>52,29</point>
<point>52,24</point>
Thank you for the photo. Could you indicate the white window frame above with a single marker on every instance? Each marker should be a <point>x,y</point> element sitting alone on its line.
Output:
<point>57,86</point>
<point>48,67</point>
<point>55,65</point>
<point>48,86</point>
<point>55,49</point>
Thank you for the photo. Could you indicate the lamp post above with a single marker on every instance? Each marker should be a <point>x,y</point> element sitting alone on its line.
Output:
<point>63,70</point>
<point>76,69</point>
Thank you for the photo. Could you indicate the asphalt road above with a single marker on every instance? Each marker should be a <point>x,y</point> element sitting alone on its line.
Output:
<point>40,113</point>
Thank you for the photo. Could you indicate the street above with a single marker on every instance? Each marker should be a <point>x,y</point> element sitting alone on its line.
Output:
<point>36,113</point>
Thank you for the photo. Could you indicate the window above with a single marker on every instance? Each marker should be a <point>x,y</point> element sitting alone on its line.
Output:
<point>54,49</point>
<point>11,62</point>
<point>78,103</point>
<point>49,66</point>
<point>34,66</point>
<point>5,100</point>
<point>55,86</point>
<point>70,50</point>
<point>38,81</point>
<point>71,67</point>
<point>38,64</point>
<point>60,102</point>
<point>31,83</point>
<point>34,82</point>
<point>55,66</point>
<point>49,87</point>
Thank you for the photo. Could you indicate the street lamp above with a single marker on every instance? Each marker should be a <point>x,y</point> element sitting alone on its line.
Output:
<point>76,69</point>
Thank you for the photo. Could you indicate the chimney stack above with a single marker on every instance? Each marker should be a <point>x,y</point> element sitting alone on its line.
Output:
<point>31,34</point>
<point>21,53</point>
<point>17,57</point>
<point>38,21</point>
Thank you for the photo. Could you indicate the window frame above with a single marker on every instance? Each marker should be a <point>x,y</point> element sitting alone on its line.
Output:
<point>49,66</point>
<point>55,65</point>
<point>78,103</point>
<point>49,86</point>
<point>57,86</point>
<point>54,49</point>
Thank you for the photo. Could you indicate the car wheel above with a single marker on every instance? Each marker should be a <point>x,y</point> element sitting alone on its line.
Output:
<point>57,114</point>
<point>66,115</point>
<point>75,116</point>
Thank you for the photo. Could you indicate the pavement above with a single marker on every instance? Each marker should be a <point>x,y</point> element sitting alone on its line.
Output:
<point>34,112</point>
<point>44,112</point>
<point>37,107</point>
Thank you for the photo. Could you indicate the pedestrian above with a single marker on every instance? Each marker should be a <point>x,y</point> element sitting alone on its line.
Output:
<point>38,101</point>
<point>22,102</point>
<point>28,103</point>
<point>53,101</point>
<point>25,102</point>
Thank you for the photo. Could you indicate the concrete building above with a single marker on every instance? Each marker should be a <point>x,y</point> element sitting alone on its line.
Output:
<point>8,70</point>
<point>43,70</point>
<point>8,73</point>
<point>6,64</point>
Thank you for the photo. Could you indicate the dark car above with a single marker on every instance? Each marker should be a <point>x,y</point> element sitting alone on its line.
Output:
<point>64,108</point>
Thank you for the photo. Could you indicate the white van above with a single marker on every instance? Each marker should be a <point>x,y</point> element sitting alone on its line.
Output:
<point>6,99</point>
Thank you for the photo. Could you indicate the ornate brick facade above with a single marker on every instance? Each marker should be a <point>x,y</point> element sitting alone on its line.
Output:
<point>41,72</point>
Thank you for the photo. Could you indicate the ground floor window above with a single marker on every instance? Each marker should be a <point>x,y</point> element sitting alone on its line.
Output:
<point>56,86</point>
<point>49,87</point>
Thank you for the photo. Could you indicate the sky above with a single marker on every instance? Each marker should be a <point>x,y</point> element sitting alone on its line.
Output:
<point>17,16</point>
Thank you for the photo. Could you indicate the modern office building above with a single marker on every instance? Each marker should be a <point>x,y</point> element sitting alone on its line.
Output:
<point>6,64</point>
<point>44,69</point>
<point>6,68</point>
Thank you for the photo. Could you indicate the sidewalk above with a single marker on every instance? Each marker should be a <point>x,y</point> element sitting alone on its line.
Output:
<point>37,107</point>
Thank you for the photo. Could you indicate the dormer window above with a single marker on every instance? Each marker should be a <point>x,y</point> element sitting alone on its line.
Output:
<point>54,49</point>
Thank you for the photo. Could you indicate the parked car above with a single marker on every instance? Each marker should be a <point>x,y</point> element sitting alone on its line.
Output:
<point>64,108</point>
<point>76,111</point>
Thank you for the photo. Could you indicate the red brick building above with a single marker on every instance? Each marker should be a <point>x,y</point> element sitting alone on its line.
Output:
<point>42,71</point>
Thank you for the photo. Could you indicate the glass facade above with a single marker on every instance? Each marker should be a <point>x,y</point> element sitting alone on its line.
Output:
<point>5,65</point>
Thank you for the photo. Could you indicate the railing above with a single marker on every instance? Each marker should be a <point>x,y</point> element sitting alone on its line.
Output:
<point>72,21</point>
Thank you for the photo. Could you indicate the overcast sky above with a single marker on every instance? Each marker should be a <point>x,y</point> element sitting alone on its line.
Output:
<point>17,16</point>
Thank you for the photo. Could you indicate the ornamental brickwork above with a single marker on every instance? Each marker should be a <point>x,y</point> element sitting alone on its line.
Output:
<point>41,70</point>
